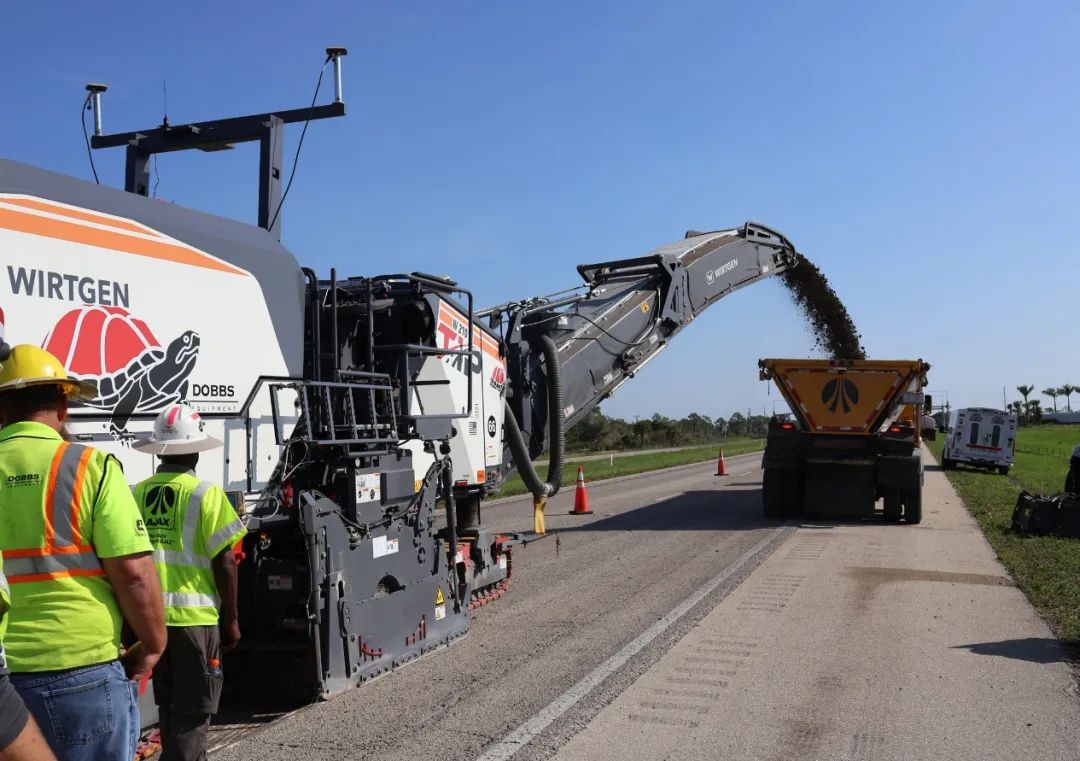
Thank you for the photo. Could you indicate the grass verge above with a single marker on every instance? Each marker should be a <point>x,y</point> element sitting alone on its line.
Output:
<point>1046,568</point>
<point>600,470</point>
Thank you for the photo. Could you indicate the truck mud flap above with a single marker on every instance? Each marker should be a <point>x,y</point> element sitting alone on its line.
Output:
<point>902,473</point>
<point>839,489</point>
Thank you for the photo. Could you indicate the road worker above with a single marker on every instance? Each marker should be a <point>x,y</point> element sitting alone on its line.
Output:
<point>77,559</point>
<point>193,528</point>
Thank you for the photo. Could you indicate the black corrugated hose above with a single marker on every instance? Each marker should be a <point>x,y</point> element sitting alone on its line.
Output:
<point>556,430</point>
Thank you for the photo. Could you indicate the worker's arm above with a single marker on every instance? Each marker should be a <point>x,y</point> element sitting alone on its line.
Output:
<point>221,529</point>
<point>20,738</point>
<point>225,578</point>
<point>28,745</point>
<point>124,549</point>
<point>138,592</point>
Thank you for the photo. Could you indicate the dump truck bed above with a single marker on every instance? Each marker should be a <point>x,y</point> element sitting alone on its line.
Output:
<point>846,397</point>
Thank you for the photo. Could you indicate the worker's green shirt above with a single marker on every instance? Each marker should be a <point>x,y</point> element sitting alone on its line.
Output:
<point>62,508</point>
<point>190,522</point>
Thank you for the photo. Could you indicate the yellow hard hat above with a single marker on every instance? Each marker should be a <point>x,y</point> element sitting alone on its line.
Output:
<point>29,365</point>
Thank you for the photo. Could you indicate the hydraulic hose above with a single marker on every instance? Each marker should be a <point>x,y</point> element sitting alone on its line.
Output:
<point>556,430</point>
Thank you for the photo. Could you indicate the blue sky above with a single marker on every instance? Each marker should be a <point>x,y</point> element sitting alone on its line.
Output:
<point>924,155</point>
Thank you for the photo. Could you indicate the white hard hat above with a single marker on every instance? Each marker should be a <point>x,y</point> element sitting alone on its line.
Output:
<point>178,429</point>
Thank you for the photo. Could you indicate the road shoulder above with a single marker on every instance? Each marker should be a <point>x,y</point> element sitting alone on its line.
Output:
<point>857,641</point>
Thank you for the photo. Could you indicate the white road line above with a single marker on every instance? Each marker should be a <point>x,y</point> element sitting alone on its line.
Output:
<point>745,474</point>
<point>518,738</point>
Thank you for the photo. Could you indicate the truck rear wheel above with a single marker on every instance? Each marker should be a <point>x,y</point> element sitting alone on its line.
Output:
<point>893,504</point>
<point>913,506</point>
<point>781,494</point>
<point>772,494</point>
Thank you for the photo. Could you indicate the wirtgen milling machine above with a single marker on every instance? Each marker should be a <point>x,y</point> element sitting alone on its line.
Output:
<point>354,409</point>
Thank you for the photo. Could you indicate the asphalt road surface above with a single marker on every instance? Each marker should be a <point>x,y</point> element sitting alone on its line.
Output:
<point>675,623</point>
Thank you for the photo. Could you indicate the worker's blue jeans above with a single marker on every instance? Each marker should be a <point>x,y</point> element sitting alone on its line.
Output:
<point>87,714</point>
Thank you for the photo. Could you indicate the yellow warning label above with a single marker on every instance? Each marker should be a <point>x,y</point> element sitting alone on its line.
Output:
<point>439,599</point>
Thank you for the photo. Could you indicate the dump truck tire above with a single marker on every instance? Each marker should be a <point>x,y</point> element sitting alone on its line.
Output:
<point>913,506</point>
<point>893,505</point>
<point>772,494</point>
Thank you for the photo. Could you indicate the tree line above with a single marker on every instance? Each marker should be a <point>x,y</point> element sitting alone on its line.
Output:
<point>600,433</point>
<point>1030,411</point>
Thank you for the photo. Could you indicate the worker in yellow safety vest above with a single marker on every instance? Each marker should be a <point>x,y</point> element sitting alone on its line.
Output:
<point>193,528</point>
<point>20,738</point>
<point>77,559</point>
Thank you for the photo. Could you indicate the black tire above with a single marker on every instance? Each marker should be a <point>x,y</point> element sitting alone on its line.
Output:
<point>772,494</point>
<point>781,494</point>
<point>1003,470</point>
<point>913,506</point>
<point>893,503</point>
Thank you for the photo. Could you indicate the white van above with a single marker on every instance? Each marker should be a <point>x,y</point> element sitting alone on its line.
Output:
<point>980,437</point>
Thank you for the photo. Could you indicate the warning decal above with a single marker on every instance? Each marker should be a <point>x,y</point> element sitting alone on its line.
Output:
<point>439,599</point>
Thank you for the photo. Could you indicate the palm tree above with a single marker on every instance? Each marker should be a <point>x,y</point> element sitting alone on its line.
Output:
<point>1067,391</point>
<point>1025,391</point>
<point>1053,394</point>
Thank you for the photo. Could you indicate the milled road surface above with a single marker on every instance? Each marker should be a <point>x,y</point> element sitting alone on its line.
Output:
<point>858,642</point>
<point>652,541</point>
<point>675,623</point>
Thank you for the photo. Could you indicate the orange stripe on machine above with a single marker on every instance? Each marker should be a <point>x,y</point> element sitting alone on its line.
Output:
<point>457,324</point>
<point>145,243</point>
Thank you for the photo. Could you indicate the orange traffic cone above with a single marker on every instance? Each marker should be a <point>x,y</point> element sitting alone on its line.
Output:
<point>581,497</point>
<point>721,466</point>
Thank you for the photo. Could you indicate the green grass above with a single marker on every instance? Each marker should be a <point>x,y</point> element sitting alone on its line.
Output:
<point>1046,568</point>
<point>599,470</point>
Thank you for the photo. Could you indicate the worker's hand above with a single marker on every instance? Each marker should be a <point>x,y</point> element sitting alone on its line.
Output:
<point>230,635</point>
<point>138,661</point>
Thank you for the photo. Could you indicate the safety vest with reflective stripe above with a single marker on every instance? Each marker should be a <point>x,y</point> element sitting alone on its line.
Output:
<point>64,553</point>
<point>62,506</point>
<point>190,522</point>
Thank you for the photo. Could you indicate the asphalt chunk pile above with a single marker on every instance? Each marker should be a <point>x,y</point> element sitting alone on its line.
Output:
<point>834,330</point>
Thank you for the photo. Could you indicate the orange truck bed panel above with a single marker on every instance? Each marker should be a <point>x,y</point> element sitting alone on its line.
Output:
<point>846,397</point>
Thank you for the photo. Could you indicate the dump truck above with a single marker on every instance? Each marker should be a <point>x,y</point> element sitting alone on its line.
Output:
<point>854,439</point>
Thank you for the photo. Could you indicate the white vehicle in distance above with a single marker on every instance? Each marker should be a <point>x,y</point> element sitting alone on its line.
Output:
<point>980,437</point>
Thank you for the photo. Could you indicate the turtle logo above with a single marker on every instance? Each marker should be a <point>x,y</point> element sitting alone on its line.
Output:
<point>118,352</point>
<point>840,392</point>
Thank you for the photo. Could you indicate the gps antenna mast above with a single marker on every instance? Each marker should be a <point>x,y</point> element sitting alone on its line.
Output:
<point>221,135</point>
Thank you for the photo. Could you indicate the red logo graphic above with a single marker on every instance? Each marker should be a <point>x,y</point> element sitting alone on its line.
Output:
<point>134,373</point>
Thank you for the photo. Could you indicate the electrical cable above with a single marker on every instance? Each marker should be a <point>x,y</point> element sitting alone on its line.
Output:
<point>628,344</point>
<point>300,144</point>
<point>86,137</point>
